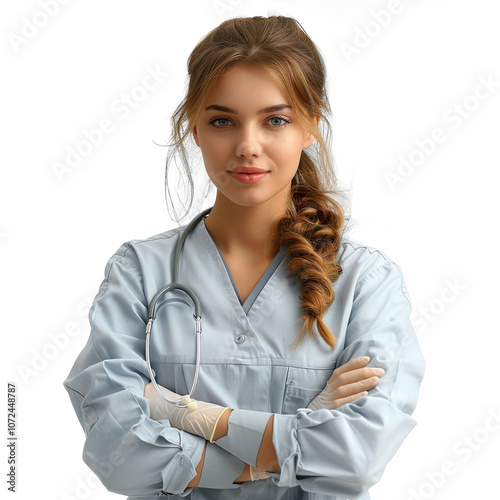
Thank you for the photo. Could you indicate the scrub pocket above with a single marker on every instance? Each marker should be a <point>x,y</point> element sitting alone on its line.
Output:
<point>302,386</point>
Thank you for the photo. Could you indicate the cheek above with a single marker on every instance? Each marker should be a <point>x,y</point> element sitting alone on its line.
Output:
<point>211,152</point>
<point>215,145</point>
<point>215,160</point>
<point>287,152</point>
<point>291,142</point>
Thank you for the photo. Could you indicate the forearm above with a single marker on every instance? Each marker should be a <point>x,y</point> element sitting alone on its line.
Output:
<point>196,479</point>
<point>245,476</point>
<point>266,459</point>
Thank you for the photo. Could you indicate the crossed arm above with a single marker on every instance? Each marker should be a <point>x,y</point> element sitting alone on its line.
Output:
<point>266,460</point>
<point>348,383</point>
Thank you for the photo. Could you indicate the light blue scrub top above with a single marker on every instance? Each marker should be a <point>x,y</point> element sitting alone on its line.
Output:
<point>246,363</point>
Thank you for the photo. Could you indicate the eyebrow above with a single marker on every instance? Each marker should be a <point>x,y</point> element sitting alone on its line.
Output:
<point>269,109</point>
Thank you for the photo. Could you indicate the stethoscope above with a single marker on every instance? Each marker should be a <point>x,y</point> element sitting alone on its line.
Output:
<point>184,401</point>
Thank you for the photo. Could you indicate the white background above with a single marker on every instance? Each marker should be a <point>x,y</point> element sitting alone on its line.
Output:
<point>406,75</point>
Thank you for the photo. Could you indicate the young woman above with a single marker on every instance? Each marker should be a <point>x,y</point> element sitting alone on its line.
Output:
<point>287,405</point>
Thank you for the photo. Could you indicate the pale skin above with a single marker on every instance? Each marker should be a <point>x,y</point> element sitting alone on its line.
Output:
<point>242,221</point>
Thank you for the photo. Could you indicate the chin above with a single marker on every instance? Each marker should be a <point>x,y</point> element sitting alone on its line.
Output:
<point>257,199</point>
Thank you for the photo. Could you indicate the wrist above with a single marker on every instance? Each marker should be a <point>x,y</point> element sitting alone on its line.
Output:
<point>221,427</point>
<point>245,476</point>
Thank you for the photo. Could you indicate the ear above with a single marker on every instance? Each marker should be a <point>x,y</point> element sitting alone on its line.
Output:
<point>309,138</point>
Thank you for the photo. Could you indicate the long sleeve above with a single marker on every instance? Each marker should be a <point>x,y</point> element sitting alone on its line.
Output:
<point>345,451</point>
<point>129,452</point>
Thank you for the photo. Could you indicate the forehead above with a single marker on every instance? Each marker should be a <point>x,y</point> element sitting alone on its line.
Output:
<point>246,85</point>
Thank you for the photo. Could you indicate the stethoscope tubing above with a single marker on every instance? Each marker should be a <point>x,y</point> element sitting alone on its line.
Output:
<point>153,309</point>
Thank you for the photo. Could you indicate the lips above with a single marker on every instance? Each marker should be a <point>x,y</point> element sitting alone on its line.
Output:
<point>248,175</point>
<point>248,170</point>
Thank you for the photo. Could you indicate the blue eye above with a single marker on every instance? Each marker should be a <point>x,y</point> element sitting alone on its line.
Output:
<point>281,118</point>
<point>213,120</point>
<point>216,121</point>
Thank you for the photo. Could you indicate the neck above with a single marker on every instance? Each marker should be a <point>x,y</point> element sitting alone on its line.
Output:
<point>245,231</point>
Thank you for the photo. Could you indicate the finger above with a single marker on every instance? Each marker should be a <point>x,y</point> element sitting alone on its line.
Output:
<point>352,364</point>
<point>355,388</point>
<point>147,389</point>
<point>353,376</point>
<point>342,401</point>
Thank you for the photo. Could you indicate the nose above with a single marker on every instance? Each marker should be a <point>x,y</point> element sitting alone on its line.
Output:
<point>249,143</point>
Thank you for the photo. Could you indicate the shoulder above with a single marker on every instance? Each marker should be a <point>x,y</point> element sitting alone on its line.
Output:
<point>362,263</point>
<point>155,248</point>
<point>354,253</point>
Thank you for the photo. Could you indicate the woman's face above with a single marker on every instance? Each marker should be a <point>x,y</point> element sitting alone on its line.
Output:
<point>238,131</point>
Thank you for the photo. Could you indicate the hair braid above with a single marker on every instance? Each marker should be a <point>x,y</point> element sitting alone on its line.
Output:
<point>312,230</point>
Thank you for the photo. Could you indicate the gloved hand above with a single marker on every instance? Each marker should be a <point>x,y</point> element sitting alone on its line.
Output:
<point>251,473</point>
<point>182,418</point>
<point>200,421</point>
<point>257,474</point>
<point>347,383</point>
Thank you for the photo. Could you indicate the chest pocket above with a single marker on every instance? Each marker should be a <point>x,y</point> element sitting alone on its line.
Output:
<point>302,386</point>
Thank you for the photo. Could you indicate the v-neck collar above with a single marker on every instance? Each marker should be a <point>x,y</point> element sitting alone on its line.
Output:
<point>271,268</point>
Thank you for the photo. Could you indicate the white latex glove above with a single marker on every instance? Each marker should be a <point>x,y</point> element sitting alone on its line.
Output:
<point>257,474</point>
<point>181,418</point>
<point>200,421</point>
<point>347,383</point>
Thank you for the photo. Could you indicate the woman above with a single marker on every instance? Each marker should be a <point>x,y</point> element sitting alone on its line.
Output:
<point>286,404</point>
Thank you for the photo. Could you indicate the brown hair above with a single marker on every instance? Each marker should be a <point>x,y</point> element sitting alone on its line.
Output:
<point>314,223</point>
